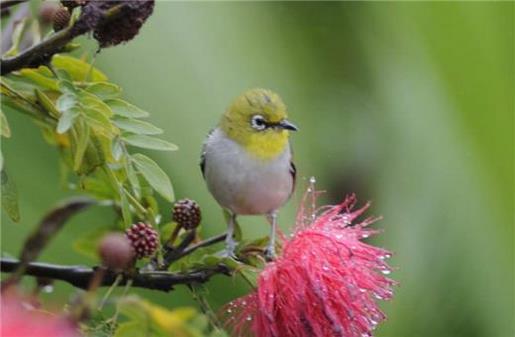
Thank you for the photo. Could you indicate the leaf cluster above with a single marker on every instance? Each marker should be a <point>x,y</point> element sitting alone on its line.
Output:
<point>84,116</point>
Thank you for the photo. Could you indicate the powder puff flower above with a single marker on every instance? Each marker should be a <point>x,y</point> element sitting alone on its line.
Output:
<point>325,283</point>
<point>18,319</point>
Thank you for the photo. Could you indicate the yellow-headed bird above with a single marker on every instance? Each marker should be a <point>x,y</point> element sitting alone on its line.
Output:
<point>247,160</point>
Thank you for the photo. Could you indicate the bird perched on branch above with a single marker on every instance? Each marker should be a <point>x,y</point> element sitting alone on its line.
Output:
<point>247,161</point>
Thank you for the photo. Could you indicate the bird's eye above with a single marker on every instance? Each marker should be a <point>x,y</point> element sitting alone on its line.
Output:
<point>258,122</point>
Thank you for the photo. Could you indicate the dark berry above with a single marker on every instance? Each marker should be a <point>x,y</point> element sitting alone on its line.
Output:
<point>186,213</point>
<point>61,18</point>
<point>144,239</point>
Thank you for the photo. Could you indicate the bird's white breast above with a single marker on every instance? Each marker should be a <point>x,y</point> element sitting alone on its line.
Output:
<point>243,183</point>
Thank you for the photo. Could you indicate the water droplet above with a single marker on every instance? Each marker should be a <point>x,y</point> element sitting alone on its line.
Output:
<point>229,311</point>
<point>249,318</point>
<point>365,235</point>
<point>48,288</point>
<point>362,290</point>
<point>386,271</point>
<point>379,297</point>
<point>325,267</point>
<point>243,302</point>
<point>310,190</point>
<point>312,180</point>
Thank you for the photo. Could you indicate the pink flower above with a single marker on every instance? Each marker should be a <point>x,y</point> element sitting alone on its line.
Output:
<point>325,283</point>
<point>18,319</point>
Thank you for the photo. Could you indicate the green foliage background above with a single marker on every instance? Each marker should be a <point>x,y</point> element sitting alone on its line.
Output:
<point>407,104</point>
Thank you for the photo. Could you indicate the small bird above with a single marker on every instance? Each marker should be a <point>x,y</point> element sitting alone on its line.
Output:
<point>247,161</point>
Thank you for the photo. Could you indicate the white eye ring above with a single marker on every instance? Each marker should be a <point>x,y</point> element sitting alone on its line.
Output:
<point>258,122</point>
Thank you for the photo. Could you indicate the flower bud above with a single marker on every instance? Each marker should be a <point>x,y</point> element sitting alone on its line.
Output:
<point>116,251</point>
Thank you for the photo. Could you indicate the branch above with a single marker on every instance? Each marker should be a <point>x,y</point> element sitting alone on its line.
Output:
<point>80,276</point>
<point>9,3</point>
<point>42,52</point>
<point>45,231</point>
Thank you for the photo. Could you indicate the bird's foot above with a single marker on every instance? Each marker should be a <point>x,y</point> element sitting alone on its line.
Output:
<point>230,247</point>
<point>270,253</point>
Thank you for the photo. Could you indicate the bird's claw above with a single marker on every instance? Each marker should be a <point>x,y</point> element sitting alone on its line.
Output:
<point>269,253</point>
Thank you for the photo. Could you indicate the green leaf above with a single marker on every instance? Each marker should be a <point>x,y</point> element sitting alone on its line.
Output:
<point>125,109</point>
<point>96,119</point>
<point>133,179</point>
<point>117,149</point>
<point>87,244</point>
<point>78,69</point>
<point>5,131</point>
<point>126,210</point>
<point>41,77</point>
<point>104,90</point>
<point>147,142</point>
<point>47,104</point>
<point>131,329</point>
<point>67,87</point>
<point>98,186</point>
<point>173,322</point>
<point>89,100</point>
<point>82,144</point>
<point>137,126</point>
<point>9,197</point>
<point>65,102</point>
<point>66,120</point>
<point>63,75</point>
<point>154,175</point>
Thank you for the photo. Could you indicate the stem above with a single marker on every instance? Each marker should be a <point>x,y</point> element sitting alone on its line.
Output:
<point>110,291</point>
<point>80,276</point>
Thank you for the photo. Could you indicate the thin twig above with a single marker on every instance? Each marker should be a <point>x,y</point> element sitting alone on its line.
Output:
<point>80,276</point>
<point>205,243</point>
<point>173,254</point>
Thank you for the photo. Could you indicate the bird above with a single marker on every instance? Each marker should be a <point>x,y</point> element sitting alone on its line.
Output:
<point>246,161</point>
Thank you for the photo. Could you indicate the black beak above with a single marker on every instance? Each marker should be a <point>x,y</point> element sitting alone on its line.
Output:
<point>286,125</point>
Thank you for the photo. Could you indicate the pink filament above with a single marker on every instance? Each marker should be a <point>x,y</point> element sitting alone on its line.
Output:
<point>325,283</point>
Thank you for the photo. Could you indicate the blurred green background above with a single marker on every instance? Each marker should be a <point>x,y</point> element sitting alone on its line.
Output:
<point>409,105</point>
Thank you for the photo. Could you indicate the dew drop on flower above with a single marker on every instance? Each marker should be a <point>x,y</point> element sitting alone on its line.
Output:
<point>249,318</point>
<point>386,271</point>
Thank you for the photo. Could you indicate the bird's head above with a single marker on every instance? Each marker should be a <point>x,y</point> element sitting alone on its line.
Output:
<point>257,121</point>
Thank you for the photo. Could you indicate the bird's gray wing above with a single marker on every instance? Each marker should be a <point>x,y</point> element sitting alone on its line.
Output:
<point>293,172</point>
<point>203,154</point>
